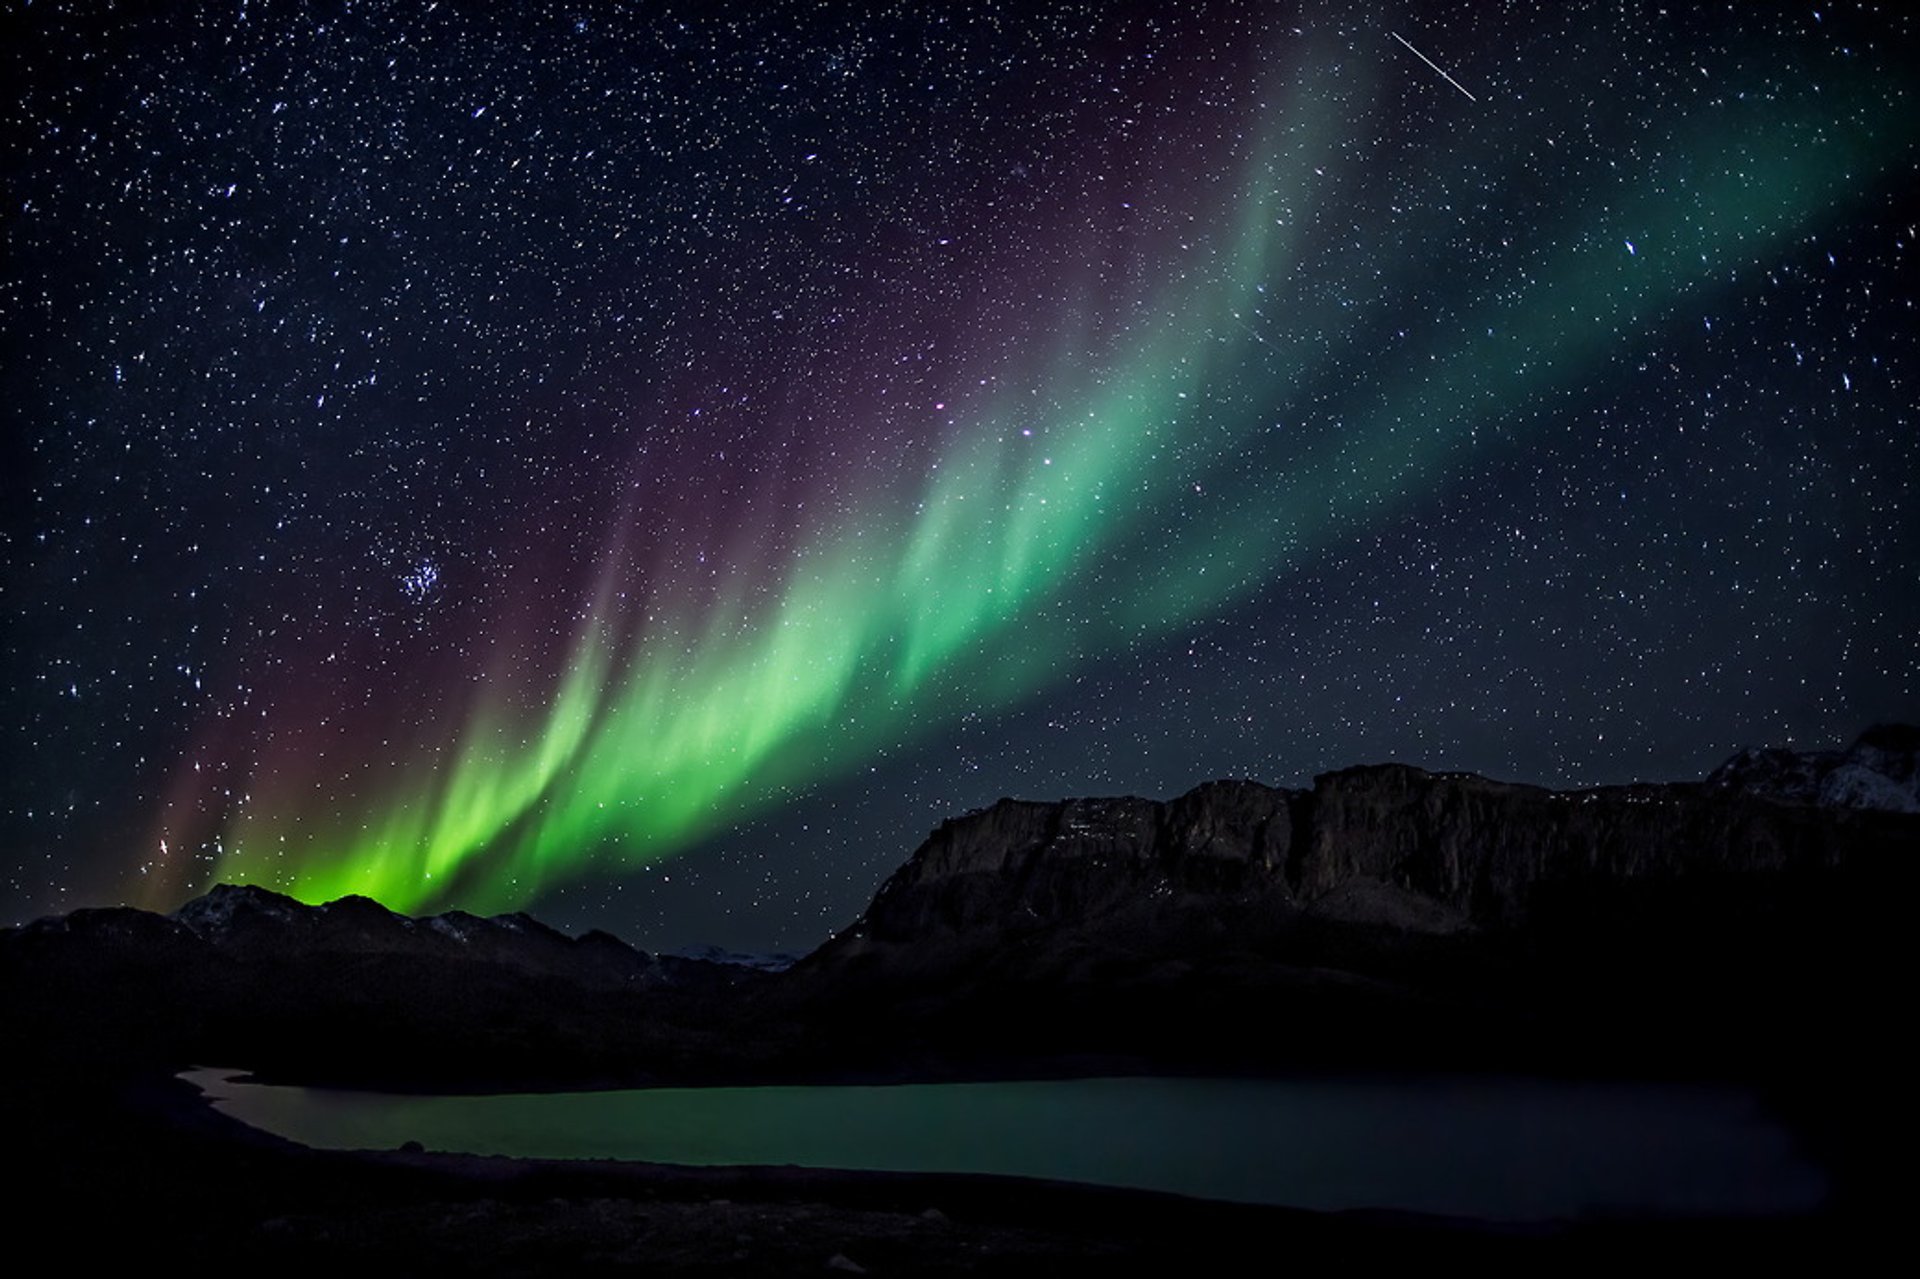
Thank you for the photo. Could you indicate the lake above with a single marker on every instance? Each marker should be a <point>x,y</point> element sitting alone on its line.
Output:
<point>1498,1149</point>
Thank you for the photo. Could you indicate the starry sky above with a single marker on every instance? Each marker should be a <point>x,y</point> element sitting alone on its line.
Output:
<point>649,463</point>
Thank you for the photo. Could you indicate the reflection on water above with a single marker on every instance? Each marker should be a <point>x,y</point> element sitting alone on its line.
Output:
<point>1502,1149</point>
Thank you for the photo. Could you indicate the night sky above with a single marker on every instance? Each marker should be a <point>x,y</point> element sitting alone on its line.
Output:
<point>649,463</point>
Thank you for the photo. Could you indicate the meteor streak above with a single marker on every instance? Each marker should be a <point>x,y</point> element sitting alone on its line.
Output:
<point>1430,62</point>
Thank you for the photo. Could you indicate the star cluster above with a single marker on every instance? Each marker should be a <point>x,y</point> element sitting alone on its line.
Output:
<point>650,462</point>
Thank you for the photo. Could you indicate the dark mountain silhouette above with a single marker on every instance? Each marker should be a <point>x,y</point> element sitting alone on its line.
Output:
<point>1386,916</point>
<point>350,991</point>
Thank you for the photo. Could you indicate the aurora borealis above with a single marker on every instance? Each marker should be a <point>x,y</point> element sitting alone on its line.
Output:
<point>486,459</point>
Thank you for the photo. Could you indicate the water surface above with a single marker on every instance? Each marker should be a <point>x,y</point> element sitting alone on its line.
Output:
<point>1501,1149</point>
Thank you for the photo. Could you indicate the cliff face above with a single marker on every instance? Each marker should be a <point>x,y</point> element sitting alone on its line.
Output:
<point>1021,866</point>
<point>1386,915</point>
<point>1484,849</point>
<point>1388,844</point>
<point>1414,882</point>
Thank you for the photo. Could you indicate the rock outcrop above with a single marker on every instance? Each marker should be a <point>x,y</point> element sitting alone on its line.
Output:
<point>1881,770</point>
<point>1386,845</point>
<point>1383,904</point>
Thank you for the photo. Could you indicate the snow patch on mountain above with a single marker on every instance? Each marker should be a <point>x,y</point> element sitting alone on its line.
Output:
<point>1881,770</point>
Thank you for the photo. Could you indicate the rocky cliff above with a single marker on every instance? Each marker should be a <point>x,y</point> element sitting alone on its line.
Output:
<point>1383,904</point>
<point>1388,845</point>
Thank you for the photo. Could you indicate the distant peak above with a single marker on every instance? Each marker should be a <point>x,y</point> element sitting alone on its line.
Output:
<point>225,907</point>
<point>1881,770</point>
<point>243,892</point>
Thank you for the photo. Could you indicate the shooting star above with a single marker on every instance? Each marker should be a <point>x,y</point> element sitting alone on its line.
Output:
<point>1430,62</point>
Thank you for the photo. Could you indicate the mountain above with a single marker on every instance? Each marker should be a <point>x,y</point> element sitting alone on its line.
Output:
<point>1385,916</point>
<point>351,992</point>
<point>777,962</point>
<point>1384,845</point>
<point>1881,770</point>
<point>250,923</point>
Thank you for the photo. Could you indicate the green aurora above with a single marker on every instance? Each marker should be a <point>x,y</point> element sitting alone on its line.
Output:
<point>1128,454</point>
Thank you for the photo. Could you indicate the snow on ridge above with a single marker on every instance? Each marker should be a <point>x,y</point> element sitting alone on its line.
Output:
<point>1880,771</point>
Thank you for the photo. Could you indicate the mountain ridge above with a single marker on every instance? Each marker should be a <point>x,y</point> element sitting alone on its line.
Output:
<point>1384,915</point>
